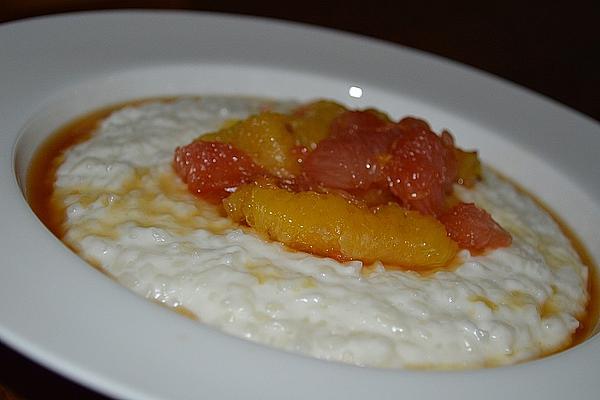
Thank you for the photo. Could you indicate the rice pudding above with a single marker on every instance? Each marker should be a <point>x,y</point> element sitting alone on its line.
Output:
<point>126,212</point>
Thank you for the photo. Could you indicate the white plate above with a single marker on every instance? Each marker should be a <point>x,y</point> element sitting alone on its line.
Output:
<point>70,317</point>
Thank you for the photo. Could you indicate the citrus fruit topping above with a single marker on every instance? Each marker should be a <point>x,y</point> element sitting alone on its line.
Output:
<point>266,138</point>
<point>353,156</point>
<point>329,225</point>
<point>422,167</point>
<point>311,123</point>
<point>359,123</point>
<point>212,170</point>
<point>474,229</point>
<point>352,185</point>
<point>343,164</point>
<point>469,167</point>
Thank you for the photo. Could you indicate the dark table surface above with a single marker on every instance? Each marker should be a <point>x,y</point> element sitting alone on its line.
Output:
<point>552,48</point>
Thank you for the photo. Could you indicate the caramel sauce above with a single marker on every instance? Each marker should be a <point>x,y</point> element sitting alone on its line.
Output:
<point>588,323</point>
<point>41,173</point>
<point>490,304</point>
<point>46,160</point>
<point>41,176</point>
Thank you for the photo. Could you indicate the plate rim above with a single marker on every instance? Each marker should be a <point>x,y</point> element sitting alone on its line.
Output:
<point>112,388</point>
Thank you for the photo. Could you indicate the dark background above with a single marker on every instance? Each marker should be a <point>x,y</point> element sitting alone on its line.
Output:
<point>552,48</point>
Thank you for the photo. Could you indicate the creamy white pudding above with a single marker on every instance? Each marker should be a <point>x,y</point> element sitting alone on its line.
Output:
<point>129,214</point>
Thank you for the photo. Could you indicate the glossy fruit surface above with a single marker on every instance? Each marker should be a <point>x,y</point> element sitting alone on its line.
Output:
<point>329,225</point>
<point>422,168</point>
<point>266,138</point>
<point>469,167</point>
<point>345,184</point>
<point>311,123</point>
<point>212,170</point>
<point>352,156</point>
<point>474,229</point>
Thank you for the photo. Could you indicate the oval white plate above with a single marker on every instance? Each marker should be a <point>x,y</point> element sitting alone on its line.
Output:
<point>70,317</point>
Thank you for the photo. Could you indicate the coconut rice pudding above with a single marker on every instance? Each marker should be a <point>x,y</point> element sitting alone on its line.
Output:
<point>125,208</point>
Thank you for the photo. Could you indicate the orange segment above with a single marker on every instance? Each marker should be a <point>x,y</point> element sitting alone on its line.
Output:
<point>311,123</point>
<point>329,225</point>
<point>469,167</point>
<point>266,137</point>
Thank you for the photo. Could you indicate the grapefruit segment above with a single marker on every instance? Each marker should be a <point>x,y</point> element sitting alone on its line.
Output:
<point>354,154</point>
<point>474,229</point>
<point>421,169</point>
<point>212,170</point>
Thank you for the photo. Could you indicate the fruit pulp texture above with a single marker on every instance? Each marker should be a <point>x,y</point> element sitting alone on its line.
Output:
<point>324,160</point>
<point>327,224</point>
